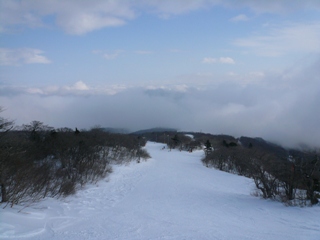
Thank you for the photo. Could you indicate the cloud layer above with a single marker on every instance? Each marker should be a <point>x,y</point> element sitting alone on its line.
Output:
<point>276,107</point>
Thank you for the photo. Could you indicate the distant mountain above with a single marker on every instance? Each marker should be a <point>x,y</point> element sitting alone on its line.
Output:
<point>155,130</point>
<point>218,140</point>
<point>263,144</point>
<point>116,130</point>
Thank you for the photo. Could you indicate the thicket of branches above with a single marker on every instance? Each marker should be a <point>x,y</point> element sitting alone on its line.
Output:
<point>292,178</point>
<point>37,161</point>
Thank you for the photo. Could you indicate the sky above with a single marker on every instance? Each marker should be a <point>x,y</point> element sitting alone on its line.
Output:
<point>243,68</point>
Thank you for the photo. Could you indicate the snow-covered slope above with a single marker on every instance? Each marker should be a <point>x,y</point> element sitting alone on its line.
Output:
<point>171,196</point>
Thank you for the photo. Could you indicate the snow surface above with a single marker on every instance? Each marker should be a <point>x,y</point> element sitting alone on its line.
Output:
<point>171,196</point>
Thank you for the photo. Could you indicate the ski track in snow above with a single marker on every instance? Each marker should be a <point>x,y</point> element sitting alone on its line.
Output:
<point>171,196</point>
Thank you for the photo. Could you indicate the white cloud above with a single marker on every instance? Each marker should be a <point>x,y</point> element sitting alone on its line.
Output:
<point>81,88</point>
<point>13,57</point>
<point>75,17</point>
<point>169,88</point>
<point>279,40</point>
<point>112,55</point>
<point>209,60</point>
<point>226,60</point>
<point>78,86</point>
<point>239,18</point>
<point>84,23</point>
<point>251,78</point>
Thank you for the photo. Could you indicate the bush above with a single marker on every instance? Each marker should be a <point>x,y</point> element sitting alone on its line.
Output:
<point>39,161</point>
<point>294,180</point>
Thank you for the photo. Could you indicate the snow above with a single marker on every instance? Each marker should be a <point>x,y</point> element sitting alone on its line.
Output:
<point>190,136</point>
<point>171,196</point>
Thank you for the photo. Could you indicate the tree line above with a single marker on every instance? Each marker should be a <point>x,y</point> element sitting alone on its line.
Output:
<point>292,176</point>
<point>38,161</point>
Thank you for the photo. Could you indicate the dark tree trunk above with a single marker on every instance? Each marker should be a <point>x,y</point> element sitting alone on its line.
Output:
<point>3,193</point>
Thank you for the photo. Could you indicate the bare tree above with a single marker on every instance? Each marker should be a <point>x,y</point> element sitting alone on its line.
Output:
<point>36,130</point>
<point>5,126</point>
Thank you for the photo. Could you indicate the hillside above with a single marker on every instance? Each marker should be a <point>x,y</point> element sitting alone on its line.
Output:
<point>171,196</point>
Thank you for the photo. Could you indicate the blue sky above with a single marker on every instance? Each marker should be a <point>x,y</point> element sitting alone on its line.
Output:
<point>236,67</point>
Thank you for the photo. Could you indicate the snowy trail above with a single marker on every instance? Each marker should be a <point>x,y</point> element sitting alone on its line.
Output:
<point>171,196</point>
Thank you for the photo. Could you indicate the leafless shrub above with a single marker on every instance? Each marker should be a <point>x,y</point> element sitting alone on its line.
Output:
<point>39,161</point>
